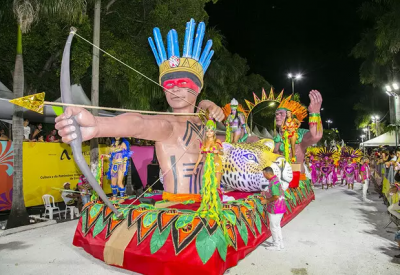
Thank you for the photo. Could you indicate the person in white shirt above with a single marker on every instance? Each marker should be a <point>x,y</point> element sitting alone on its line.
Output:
<point>393,156</point>
<point>307,168</point>
<point>27,130</point>
<point>69,198</point>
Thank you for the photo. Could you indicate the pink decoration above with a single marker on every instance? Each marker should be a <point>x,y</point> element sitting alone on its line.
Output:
<point>142,156</point>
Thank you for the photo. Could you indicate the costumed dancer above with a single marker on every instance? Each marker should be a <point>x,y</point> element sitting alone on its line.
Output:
<point>342,164</point>
<point>235,125</point>
<point>365,175</point>
<point>316,172</point>
<point>211,149</point>
<point>335,172</point>
<point>311,164</point>
<point>327,169</point>
<point>119,161</point>
<point>351,173</point>
<point>276,207</point>
<point>288,130</point>
<point>307,168</point>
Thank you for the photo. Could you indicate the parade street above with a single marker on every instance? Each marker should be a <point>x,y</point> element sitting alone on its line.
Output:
<point>335,234</point>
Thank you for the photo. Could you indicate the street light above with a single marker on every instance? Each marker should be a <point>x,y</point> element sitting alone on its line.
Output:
<point>367,132</point>
<point>375,119</point>
<point>392,88</point>
<point>391,91</point>
<point>293,78</point>
<point>362,141</point>
<point>329,123</point>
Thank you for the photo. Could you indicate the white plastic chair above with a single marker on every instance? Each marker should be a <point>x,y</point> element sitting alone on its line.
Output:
<point>49,205</point>
<point>69,207</point>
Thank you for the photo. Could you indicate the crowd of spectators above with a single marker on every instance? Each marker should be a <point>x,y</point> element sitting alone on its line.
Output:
<point>387,161</point>
<point>387,165</point>
<point>36,133</point>
<point>33,133</point>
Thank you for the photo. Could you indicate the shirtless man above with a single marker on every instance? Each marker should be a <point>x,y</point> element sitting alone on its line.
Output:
<point>311,137</point>
<point>177,137</point>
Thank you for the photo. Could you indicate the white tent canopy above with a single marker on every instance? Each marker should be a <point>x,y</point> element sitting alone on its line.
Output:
<point>388,138</point>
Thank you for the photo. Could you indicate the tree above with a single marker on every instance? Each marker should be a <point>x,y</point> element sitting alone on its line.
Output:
<point>379,48</point>
<point>125,27</point>
<point>380,43</point>
<point>28,12</point>
<point>371,103</point>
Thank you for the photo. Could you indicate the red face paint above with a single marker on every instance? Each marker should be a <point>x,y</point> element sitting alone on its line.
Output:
<point>181,83</point>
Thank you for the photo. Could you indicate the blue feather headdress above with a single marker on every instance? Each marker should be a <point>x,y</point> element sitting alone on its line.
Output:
<point>192,64</point>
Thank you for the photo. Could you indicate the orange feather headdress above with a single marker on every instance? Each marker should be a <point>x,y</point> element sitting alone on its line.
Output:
<point>298,110</point>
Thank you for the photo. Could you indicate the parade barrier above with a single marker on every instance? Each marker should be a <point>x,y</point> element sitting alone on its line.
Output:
<point>50,165</point>
<point>381,177</point>
<point>170,239</point>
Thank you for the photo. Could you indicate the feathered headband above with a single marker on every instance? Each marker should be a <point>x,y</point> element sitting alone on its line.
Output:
<point>354,154</point>
<point>192,64</point>
<point>312,151</point>
<point>328,153</point>
<point>298,110</point>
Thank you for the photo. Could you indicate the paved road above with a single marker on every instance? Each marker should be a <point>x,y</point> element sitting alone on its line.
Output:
<point>336,234</point>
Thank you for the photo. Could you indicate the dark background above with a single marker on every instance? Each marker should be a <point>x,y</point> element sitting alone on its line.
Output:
<point>312,37</point>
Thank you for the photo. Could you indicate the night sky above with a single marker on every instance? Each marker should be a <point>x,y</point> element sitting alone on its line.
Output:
<point>313,37</point>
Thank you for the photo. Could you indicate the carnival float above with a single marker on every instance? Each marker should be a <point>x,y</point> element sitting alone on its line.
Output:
<point>194,225</point>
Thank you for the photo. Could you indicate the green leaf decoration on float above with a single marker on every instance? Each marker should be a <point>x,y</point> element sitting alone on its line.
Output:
<point>99,226</point>
<point>183,221</point>
<point>288,206</point>
<point>259,206</point>
<point>221,243</point>
<point>230,216</point>
<point>243,232</point>
<point>248,206</point>
<point>258,223</point>
<point>83,217</point>
<point>149,218</point>
<point>158,239</point>
<point>205,245</point>
<point>94,210</point>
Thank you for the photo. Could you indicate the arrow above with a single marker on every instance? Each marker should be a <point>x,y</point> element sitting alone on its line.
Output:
<point>36,103</point>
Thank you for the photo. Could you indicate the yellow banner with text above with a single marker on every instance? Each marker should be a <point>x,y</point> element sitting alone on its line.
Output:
<point>50,165</point>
